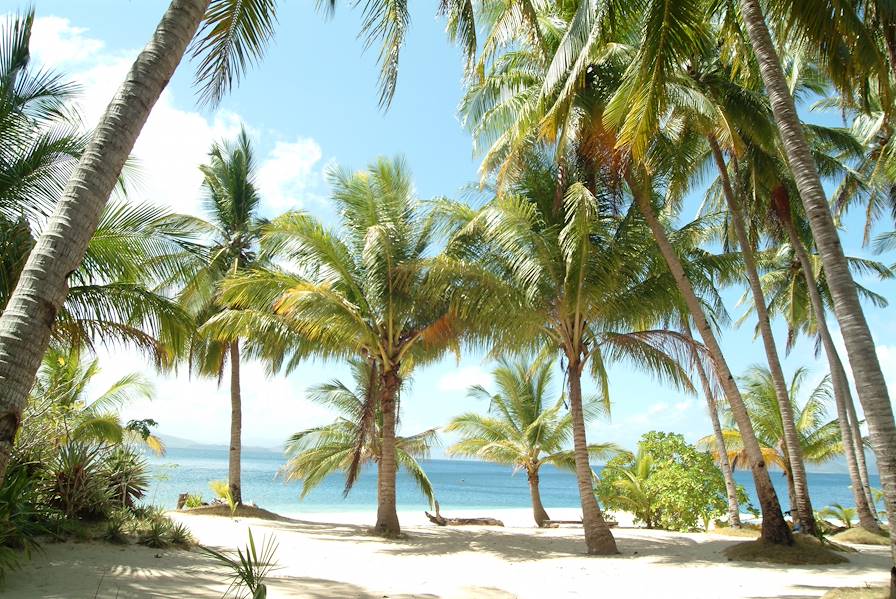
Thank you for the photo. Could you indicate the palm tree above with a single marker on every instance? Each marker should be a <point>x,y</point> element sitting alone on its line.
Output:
<point>819,437</point>
<point>595,79</point>
<point>26,323</point>
<point>228,246</point>
<point>567,275</point>
<point>860,346</point>
<point>364,291</point>
<point>315,453</point>
<point>521,429</point>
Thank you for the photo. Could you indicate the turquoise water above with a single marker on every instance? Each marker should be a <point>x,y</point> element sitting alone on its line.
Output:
<point>458,484</point>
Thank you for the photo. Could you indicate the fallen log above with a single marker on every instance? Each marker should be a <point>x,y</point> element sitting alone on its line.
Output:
<point>441,520</point>
<point>556,523</point>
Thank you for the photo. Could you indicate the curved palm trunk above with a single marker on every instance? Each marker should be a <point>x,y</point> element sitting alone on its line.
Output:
<point>842,397</point>
<point>26,323</point>
<point>774,527</point>
<point>724,462</point>
<point>386,513</point>
<point>802,505</point>
<point>541,516</point>
<point>860,349</point>
<point>598,538</point>
<point>236,426</point>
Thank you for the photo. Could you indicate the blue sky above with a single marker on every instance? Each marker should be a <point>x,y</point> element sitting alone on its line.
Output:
<point>310,104</point>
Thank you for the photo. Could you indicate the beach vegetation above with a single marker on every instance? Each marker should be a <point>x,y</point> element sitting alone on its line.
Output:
<point>249,569</point>
<point>524,428</point>
<point>315,453</point>
<point>667,484</point>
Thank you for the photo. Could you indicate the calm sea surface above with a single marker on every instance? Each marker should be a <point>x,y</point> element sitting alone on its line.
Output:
<point>458,484</point>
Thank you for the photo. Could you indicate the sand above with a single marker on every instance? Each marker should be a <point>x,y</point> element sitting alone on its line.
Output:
<point>331,555</point>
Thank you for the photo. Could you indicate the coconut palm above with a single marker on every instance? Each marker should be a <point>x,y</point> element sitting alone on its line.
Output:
<point>596,100</point>
<point>362,291</point>
<point>232,37</point>
<point>844,514</point>
<point>860,347</point>
<point>522,429</point>
<point>568,275</point>
<point>317,452</point>
<point>227,244</point>
<point>820,438</point>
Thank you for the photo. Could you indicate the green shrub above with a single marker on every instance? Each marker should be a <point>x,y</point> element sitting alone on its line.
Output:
<point>22,518</point>
<point>77,486</point>
<point>669,484</point>
<point>180,535</point>
<point>117,526</point>
<point>193,501</point>
<point>127,473</point>
<point>222,490</point>
<point>156,532</point>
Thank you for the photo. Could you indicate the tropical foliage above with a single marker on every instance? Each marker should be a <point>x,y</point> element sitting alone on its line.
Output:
<point>667,484</point>
<point>315,453</point>
<point>523,428</point>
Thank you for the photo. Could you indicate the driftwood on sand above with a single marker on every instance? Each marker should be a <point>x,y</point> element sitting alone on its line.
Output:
<point>557,523</point>
<point>441,520</point>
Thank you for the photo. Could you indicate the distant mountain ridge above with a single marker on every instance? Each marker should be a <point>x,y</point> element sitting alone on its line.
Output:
<point>172,442</point>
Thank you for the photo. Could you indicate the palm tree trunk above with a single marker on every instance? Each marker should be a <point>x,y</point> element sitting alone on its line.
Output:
<point>803,505</point>
<point>842,397</point>
<point>386,514</point>
<point>774,527</point>
<point>26,323</point>
<point>541,516</point>
<point>598,538</point>
<point>236,426</point>
<point>858,442</point>
<point>860,349</point>
<point>724,462</point>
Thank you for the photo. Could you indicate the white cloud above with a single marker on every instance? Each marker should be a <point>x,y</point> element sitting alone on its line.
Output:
<point>464,378</point>
<point>55,41</point>
<point>288,174</point>
<point>686,404</point>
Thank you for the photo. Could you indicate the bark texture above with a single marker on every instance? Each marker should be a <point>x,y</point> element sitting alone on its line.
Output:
<point>386,512</point>
<point>774,527</point>
<point>236,427</point>
<point>860,349</point>
<point>26,323</point>
<point>802,505</point>
<point>839,382</point>
<point>598,538</point>
<point>538,511</point>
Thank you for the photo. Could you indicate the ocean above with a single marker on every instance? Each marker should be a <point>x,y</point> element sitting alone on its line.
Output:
<point>458,484</point>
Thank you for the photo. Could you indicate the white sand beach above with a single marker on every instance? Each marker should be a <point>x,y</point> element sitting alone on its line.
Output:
<point>331,555</point>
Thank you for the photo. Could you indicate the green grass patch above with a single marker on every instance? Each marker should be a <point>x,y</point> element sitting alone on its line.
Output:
<point>860,536</point>
<point>804,551</point>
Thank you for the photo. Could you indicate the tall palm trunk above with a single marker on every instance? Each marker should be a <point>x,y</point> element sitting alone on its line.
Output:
<point>860,349</point>
<point>724,462</point>
<point>598,538</point>
<point>386,513</point>
<point>858,441</point>
<point>26,323</point>
<point>236,426</point>
<point>802,505</point>
<point>774,527</point>
<point>842,398</point>
<point>541,516</point>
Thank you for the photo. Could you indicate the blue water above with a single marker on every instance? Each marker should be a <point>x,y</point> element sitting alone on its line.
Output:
<point>458,484</point>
